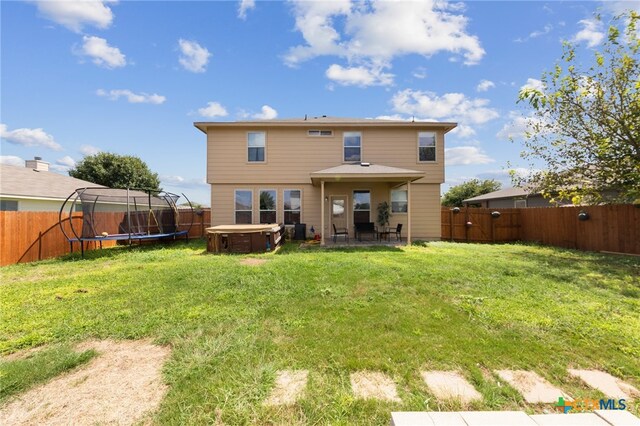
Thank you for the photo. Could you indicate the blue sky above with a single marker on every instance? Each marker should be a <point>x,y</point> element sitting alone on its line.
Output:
<point>131,77</point>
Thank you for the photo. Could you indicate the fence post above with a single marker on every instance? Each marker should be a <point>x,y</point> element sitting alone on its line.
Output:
<point>40,245</point>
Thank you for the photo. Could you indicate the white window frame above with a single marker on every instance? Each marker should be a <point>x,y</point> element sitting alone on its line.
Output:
<point>391,200</point>
<point>435,149</point>
<point>344,147</point>
<point>353,204</point>
<point>275,206</point>
<point>235,192</point>
<point>263,147</point>
<point>319,133</point>
<point>284,211</point>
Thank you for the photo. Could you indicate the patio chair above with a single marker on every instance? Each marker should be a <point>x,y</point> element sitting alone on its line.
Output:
<point>340,231</point>
<point>397,231</point>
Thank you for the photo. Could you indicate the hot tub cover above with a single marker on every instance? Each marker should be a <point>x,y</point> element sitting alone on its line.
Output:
<point>237,229</point>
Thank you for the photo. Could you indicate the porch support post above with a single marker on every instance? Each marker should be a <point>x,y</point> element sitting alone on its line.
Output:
<point>409,212</point>
<point>322,213</point>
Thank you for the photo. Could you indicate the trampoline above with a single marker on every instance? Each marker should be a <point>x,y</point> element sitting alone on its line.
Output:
<point>132,214</point>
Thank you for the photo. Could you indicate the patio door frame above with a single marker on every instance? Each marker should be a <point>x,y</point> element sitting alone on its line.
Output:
<point>346,210</point>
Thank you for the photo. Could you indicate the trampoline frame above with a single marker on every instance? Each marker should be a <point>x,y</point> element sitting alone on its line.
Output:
<point>130,236</point>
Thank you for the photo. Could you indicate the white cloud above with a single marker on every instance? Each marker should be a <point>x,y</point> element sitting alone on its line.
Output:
<point>374,33</point>
<point>358,76</point>
<point>181,182</point>
<point>101,53</point>
<point>66,161</point>
<point>535,34</point>
<point>267,113</point>
<point>132,98</point>
<point>534,84</point>
<point>519,125</point>
<point>89,150</point>
<point>450,106</point>
<point>213,109</point>
<point>463,131</point>
<point>592,32</point>
<point>11,160</point>
<point>485,85</point>
<point>245,5</point>
<point>75,15</point>
<point>193,57</point>
<point>420,73</point>
<point>466,155</point>
<point>616,7</point>
<point>29,137</point>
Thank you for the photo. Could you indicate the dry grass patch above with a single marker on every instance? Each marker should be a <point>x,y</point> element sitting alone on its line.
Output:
<point>374,385</point>
<point>122,385</point>
<point>289,387</point>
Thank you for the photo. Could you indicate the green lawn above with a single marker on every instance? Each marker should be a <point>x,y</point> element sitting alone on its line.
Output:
<point>474,308</point>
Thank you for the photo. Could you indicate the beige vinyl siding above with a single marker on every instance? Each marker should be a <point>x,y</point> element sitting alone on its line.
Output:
<point>292,155</point>
<point>425,207</point>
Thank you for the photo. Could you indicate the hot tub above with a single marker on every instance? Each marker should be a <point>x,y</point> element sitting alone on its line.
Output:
<point>244,238</point>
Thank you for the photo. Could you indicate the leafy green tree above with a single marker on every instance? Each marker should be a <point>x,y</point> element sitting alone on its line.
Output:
<point>472,188</point>
<point>585,123</point>
<point>116,171</point>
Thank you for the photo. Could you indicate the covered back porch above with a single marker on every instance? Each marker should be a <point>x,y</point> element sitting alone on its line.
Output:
<point>349,198</point>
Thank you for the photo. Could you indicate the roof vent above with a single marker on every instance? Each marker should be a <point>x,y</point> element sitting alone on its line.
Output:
<point>365,164</point>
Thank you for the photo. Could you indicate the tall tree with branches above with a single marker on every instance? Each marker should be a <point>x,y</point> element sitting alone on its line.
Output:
<point>585,123</point>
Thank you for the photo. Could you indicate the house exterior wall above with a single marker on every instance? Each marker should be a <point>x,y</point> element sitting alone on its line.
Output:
<point>291,155</point>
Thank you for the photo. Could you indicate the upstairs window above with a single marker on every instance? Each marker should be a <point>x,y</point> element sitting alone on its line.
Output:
<point>256,142</point>
<point>426,146</point>
<point>244,206</point>
<point>352,147</point>
<point>320,132</point>
<point>268,206</point>
<point>292,206</point>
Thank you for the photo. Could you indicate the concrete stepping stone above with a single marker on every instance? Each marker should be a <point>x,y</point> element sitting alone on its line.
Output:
<point>496,418</point>
<point>576,419</point>
<point>374,385</point>
<point>290,385</point>
<point>609,385</point>
<point>533,388</point>
<point>618,417</point>
<point>450,385</point>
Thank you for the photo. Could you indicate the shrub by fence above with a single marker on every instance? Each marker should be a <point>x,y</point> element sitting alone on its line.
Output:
<point>613,228</point>
<point>28,236</point>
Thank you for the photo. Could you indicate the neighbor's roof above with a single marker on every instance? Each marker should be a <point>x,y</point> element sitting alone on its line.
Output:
<point>23,182</point>
<point>502,193</point>
<point>347,172</point>
<point>324,121</point>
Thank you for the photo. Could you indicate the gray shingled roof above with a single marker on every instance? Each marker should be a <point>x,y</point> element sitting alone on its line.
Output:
<point>327,121</point>
<point>26,182</point>
<point>502,193</point>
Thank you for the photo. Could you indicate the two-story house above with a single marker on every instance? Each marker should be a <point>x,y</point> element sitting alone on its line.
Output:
<point>326,171</point>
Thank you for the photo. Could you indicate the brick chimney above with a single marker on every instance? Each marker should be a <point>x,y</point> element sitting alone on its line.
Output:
<point>37,164</point>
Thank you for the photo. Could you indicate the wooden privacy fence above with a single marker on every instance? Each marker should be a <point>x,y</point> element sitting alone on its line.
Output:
<point>29,236</point>
<point>612,228</point>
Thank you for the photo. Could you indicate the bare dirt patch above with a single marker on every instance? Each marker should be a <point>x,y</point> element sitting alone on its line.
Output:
<point>289,387</point>
<point>122,385</point>
<point>23,354</point>
<point>374,385</point>
<point>534,389</point>
<point>253,262</point>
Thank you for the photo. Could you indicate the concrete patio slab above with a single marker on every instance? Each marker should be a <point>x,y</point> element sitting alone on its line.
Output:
<point>450,385</point>
<point>411,418</point>
<point>444,418</point>
<point>290,385</point>
<point>618,417</point>
<point>580,419</point>
<point>374,385</point>
<point>496,418</point>
<point>533,388</point>
<point>609,385</point>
